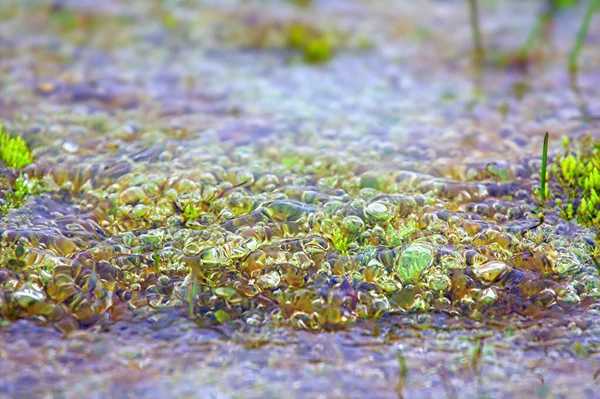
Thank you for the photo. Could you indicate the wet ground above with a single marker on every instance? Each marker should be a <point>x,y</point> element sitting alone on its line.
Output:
<point>215,215</point>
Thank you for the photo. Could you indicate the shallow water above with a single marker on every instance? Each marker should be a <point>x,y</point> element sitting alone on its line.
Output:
<point>216,217</point>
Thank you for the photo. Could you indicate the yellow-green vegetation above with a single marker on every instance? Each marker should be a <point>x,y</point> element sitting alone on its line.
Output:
<point>13,151</point>
<point>309,41</point>
<point>15,195</point>
<point>578,171</point>
<point>543,172</point>
<point>315,46</point>
<point>301,3</point>
<point>226,241</point>
<point>65,19</point>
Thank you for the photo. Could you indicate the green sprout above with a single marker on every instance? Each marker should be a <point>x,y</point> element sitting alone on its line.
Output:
<point>476,356</point>
<point>191,212</point>
<point>13,151</point>
<point>543,188</point>
<point>593,6</point>
<point>544,18</point>
<point>340,241</point>
<point>479,51</point>
<point>403,372</point>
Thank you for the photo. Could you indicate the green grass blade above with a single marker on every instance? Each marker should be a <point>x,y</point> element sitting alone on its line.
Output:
<point>476,30</point>
<point>581,35</point>
<point>403,372</point>
<point>543,19</point>
<point>543,171</point>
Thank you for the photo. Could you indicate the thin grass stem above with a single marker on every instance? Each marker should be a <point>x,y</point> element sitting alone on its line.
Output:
<point>582,34</point>
<point>479,51</point>
<point>543,19</point>
<point>543,171</point>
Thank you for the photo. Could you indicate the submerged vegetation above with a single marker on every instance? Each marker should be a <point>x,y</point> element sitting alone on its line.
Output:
<point>225,240</point>
<point>14,195</point>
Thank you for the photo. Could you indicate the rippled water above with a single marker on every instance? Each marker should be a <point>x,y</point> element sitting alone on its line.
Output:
<point>216,217</point>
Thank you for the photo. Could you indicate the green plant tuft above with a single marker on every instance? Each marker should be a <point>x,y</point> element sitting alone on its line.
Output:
<point>317,51</point>
<point>13,151</point>
<point>578,172</point>
<point>315,45</point>
<point>15,195</point>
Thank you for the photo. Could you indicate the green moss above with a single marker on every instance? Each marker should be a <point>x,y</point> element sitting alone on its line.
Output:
<point>337,235</point>
<point>296,36</point>
<point>315,45</point>
<point>317,50</point>
<point>13,151</point>
<point>578,172</point>
<point>191,212</point>
<point>301,3</point>
<point>64,19</point>
<point>15,195</point>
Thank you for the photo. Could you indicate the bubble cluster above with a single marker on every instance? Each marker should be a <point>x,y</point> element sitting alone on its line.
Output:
<point>242,237</point>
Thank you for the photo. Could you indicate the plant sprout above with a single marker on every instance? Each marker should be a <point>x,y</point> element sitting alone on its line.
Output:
<point>479,51</point>
<point>543,171</point>
<point>593,6</point>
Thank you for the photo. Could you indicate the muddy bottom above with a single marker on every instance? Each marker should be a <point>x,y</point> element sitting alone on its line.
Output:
<point>413,356</point>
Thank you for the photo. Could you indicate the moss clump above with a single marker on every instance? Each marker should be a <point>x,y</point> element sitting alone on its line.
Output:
<point>316,46</point>
<point>301,3</point>
<point>317,51</point>
<point>13,151</point>
<point>578,171</point>
<point>15,195</point>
